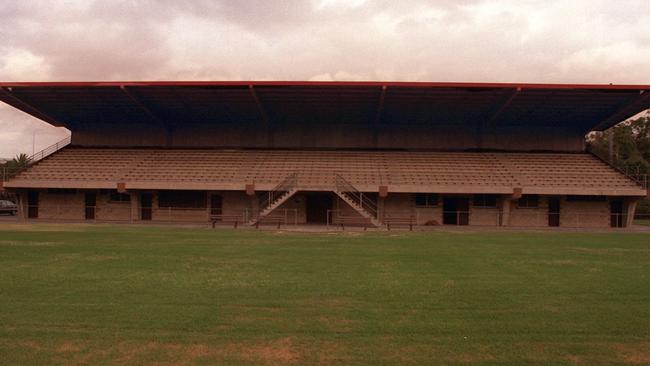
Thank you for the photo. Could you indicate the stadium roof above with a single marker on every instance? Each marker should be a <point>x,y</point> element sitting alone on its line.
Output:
<point>582,107</point>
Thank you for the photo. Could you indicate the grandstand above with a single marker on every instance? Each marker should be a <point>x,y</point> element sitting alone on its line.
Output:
<point>366,153</point>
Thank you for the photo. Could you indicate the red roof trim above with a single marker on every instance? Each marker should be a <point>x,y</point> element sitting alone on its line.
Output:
<point>327,83</point>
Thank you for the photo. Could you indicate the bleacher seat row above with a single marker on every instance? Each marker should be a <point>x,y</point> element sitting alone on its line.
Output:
<point>479,169</point>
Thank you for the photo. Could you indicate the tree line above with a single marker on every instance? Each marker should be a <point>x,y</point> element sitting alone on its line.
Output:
<point>626,145</point>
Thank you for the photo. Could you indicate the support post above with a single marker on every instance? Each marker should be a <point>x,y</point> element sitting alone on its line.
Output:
<point>506,209</point>
<point>135,204</point>
<point>630,210</point>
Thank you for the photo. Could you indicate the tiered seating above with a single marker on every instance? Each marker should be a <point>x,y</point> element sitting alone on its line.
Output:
<point>445,169</point>
<point>565,170</point>
<point>411,171</point>
<point>83,164</point>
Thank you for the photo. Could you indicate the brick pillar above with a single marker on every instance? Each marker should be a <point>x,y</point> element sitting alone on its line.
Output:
<point>505,211</point>
<point>135,206</point>
<point>630,208</point>
<point>20,202</point>
<point>255,206</point>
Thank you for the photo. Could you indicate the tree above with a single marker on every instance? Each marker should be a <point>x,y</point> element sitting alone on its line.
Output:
<point>631,149</point>
<point>630,144</point>
<point>19,161</point>
<point>13,166</point>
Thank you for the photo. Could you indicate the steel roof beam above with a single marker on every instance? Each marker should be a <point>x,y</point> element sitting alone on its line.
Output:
<point>26,107</point>
<point>625,111</point>
<point>141,105</point>
<point>496,114</point>
<point>258,104</point>
<point>380,104</point>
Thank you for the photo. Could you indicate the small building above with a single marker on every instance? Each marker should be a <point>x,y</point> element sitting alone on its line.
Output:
<point>366,153</point>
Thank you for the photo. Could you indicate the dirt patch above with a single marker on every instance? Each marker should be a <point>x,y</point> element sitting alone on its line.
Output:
<point>633,353</point>
<point>276,352</point>
<point>330,353</point>
<point>551,308</point>
<point>575,360</point>
<point>610,251</point>
<point>336,303</point>
<point>564,262</point>
<point>28,243</point>
<point>101,258</point>
<point>449,284</point>
<point>66,347</point>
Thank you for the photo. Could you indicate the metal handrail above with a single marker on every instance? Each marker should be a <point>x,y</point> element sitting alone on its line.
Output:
<point>289,183</point>
<point>8,173</point>
<point>49,150</point>
<point>641,179</point>
<point>346,188</point>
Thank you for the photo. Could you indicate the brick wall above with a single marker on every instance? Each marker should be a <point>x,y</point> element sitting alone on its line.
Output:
<point>68,206</point>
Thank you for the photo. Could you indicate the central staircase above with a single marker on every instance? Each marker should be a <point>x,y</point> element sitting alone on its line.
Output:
<point>361,203</point>
<point>364,205</point>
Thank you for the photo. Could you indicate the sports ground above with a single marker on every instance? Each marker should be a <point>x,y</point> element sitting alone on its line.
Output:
<point>149,295</point>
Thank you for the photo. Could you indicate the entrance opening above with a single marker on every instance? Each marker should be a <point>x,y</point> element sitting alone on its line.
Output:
<point>146,200</point>
<point>317,205</point>
<point>554,211</point>
<point>32,204</point>
<point>91,203</point>
<point>616,213</point>
<point>216,207</point>
<point>455,211</point>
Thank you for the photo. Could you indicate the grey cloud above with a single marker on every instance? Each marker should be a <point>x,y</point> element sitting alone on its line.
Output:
<point>597,41</point>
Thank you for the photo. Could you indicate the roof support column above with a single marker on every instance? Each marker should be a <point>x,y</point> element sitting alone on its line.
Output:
<point>266,122</point>
<point>169,128</point>
<point>377,120</point>
<point>504,217</point>
<point>494,114</point>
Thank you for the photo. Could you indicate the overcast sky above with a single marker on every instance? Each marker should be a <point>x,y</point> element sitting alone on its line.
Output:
<point>577,41</point>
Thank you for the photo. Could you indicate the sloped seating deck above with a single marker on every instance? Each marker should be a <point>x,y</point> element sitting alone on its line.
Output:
<point>400,171</point>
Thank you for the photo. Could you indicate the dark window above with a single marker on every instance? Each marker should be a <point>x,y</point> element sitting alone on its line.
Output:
<point>182,199</point>
<point>61,191</point>
<point>426,200</point>
<point>528,201</point>
<point>484,200</point>
<point>586,198</point>
<point>116,196</point>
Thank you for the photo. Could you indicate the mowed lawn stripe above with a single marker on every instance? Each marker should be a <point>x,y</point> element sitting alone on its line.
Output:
<point>134,295</point>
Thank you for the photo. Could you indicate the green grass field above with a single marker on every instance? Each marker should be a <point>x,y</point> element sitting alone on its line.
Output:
<point>144,295</point>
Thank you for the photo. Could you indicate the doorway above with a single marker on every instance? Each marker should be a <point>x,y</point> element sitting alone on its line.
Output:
<point>553,212</point>
<point>216,207</point>
<point>455,211</point>
<point>317,205</point>
<point>146,200</point>
<point>32,204</point>
<point>616,213</point>
<point>91,204</point>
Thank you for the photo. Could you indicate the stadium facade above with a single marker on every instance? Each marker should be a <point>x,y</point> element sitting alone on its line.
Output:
<point>365,153</point>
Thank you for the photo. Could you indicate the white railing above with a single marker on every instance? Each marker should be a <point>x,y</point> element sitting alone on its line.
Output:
<point>289,183</point>
<point>346,188</point>
<point>10,172</point>
<point>634,173</point>
<point>49,150</point>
